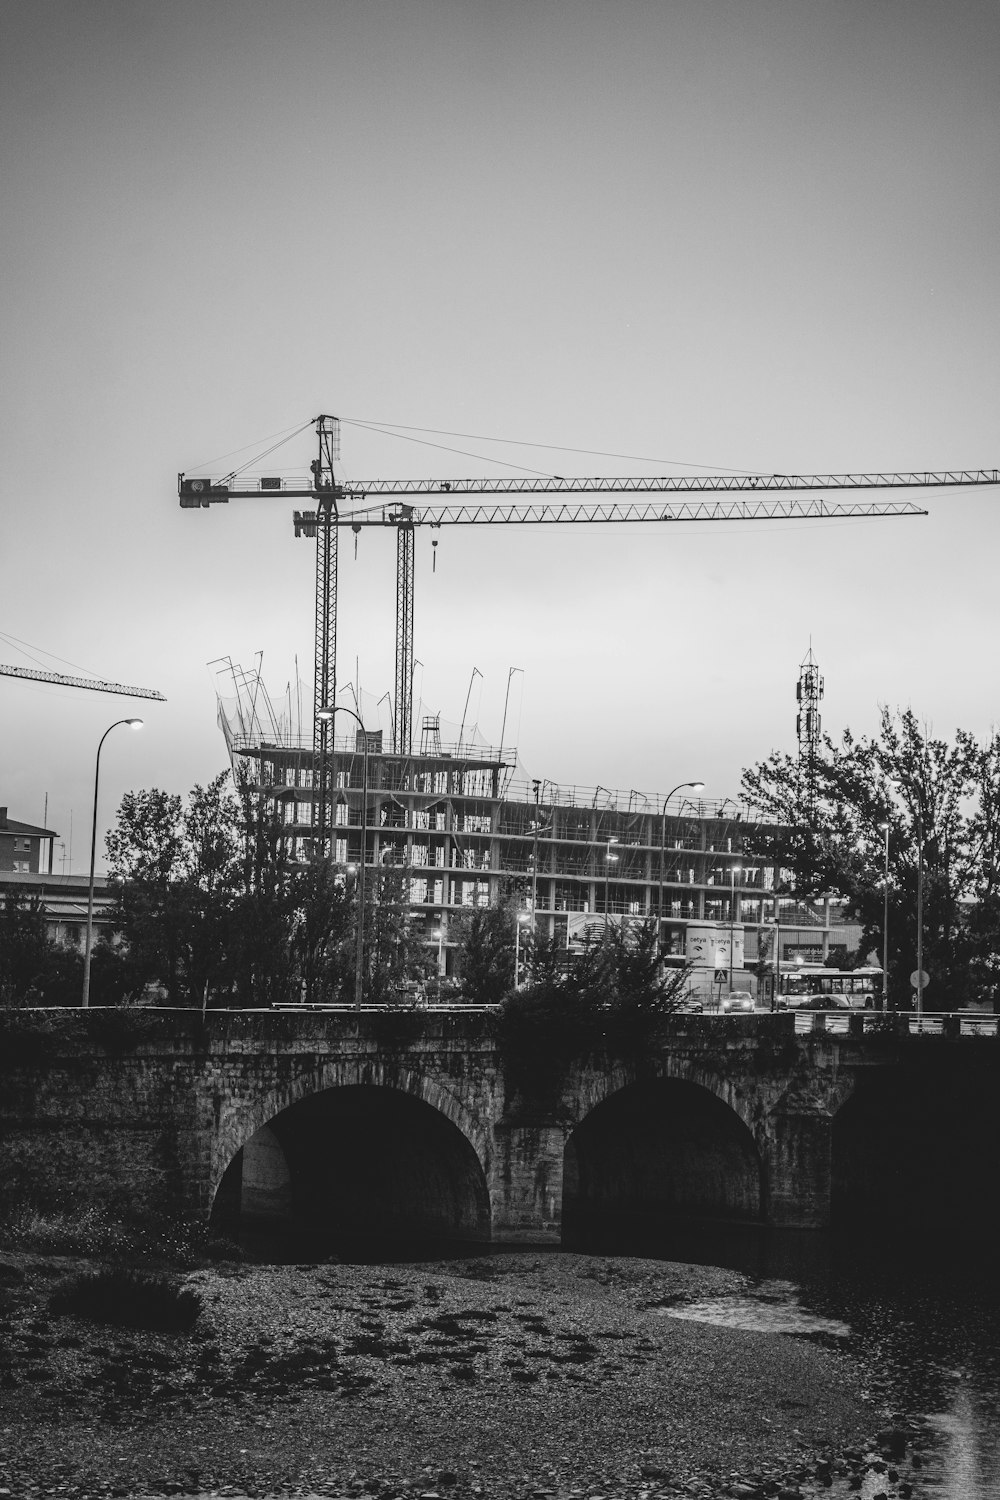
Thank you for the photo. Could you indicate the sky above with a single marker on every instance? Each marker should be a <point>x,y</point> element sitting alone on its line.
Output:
<point>592,238</point>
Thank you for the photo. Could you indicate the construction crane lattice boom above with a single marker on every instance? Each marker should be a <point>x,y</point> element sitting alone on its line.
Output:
<point>95,684</point>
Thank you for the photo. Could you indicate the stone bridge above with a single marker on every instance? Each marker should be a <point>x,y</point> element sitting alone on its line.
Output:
<point>408,1124</point>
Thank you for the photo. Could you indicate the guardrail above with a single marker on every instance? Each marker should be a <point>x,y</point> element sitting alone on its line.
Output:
<point>862,1022</point>
<point>833,1022</point>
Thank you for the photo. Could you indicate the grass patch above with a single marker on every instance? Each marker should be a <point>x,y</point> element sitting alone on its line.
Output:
<point>93,1234</point>
<point>128,1299</point>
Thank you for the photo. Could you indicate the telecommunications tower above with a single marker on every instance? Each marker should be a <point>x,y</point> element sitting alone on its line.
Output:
<point>809,692</point>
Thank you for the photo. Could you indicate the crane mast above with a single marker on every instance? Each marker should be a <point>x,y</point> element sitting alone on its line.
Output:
<point>326,519</point>
<point>747,497</point>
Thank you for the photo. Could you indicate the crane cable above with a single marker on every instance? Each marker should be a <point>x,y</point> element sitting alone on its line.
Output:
<point>479,437</point>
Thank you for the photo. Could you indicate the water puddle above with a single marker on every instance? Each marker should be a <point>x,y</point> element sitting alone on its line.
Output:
<point>774,1307</point>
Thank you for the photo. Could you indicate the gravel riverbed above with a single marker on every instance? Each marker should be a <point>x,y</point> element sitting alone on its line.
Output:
<point>508,1375</point>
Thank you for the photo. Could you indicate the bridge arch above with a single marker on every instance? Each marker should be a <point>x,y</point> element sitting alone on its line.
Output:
<point>915,1148</point>
<point>596,1085</point>
<point>351,1152</point>
<point>662,1148</point>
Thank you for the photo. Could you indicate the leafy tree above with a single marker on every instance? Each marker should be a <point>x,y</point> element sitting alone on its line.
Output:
<point>323,930</point>
<point>487,947</point>
<point>178,872</point>
<point>25,949</point>
<point>393,952</point>
<point>939,801</point>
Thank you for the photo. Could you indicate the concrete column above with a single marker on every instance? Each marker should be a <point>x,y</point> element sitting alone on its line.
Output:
<point>798,1168</point>
<point>526,1182</point>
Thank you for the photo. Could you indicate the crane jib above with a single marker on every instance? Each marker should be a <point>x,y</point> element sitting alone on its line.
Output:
<point>444,502</point>
<point>597,512</point>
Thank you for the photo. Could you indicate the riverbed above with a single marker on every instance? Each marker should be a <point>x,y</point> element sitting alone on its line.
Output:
<point>523,1375</point>
<point>738,1363</point>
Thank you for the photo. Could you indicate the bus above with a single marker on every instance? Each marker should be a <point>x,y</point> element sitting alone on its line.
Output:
<point>808,985</point>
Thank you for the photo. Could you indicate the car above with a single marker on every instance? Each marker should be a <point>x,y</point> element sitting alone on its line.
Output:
<point>818,1002</point>
<point>688,1005</point>
<point>735,1000</point>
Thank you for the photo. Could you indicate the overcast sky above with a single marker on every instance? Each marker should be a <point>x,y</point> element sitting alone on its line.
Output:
<point>758,235</point>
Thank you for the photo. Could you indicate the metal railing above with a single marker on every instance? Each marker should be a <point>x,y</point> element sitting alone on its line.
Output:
<point>871,1023</point>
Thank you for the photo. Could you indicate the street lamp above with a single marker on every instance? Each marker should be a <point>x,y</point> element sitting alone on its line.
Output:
<point>920,915</point>
<point>609,860</point>
<point>327,713</point>
<point>522,917</point>
<point>734,870</point>
<point>777,953</point>
<point>885,922</point>
<point>695,786</point>
<point>132,724</point>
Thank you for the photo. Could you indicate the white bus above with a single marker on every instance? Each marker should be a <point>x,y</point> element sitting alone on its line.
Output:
<point>808,986</point>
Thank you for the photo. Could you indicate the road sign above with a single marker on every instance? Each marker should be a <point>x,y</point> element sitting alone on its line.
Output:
<point>920,979</point>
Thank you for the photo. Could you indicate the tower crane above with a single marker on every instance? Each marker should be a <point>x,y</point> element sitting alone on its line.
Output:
<point>406,504</point>
<point>94,683</point>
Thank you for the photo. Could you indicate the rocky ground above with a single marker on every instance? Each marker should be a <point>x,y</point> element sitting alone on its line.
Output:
<point>508,1376</point>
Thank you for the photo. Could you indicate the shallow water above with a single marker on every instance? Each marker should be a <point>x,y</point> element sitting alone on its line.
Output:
<point>923,1319</point>
<point>775,1310</point>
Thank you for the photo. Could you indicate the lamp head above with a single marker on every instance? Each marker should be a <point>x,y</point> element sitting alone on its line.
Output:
<point>696,786</point>
<point>326,712</point>
<point>134,723</point>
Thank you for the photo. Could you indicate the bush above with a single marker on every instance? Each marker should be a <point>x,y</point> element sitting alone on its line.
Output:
<point>128,1299</point>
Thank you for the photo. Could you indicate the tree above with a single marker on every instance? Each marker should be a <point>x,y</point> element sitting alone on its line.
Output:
<point>178,872</point>
<point>393,952</point>
<point>487,944</point>
<point>937,800</point>
<point>25,949</point>
<point>323,931</point>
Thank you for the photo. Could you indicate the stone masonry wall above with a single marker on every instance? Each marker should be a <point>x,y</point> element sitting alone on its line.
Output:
<point>140,1112</point>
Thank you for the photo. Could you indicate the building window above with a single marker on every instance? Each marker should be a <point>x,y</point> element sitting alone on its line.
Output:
<point>22,866</point>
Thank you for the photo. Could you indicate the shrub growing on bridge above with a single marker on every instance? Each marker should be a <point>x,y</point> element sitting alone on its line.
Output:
<point>610,1002</point>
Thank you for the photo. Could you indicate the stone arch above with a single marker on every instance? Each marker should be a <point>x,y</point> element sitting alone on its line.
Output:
<point>353,1151</point>
<point>742,1095</point>
<point>245,1117</point>
<point>914,1147</point>
<point>660,1149</point>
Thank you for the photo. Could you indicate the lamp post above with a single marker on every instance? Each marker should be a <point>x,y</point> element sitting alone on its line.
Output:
<point>609,860</point>
<point>695,786</point>
<point>132,724</point>
<point>327,712</point>
<point>536,786</point>
<point>522,917</point>
<point>885,921</point>
<point>777,954</point>
<point>920,915</point>
<point>734,870</point>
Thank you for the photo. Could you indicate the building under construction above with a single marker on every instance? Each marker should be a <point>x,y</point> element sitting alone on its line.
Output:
<point>464,824</point>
